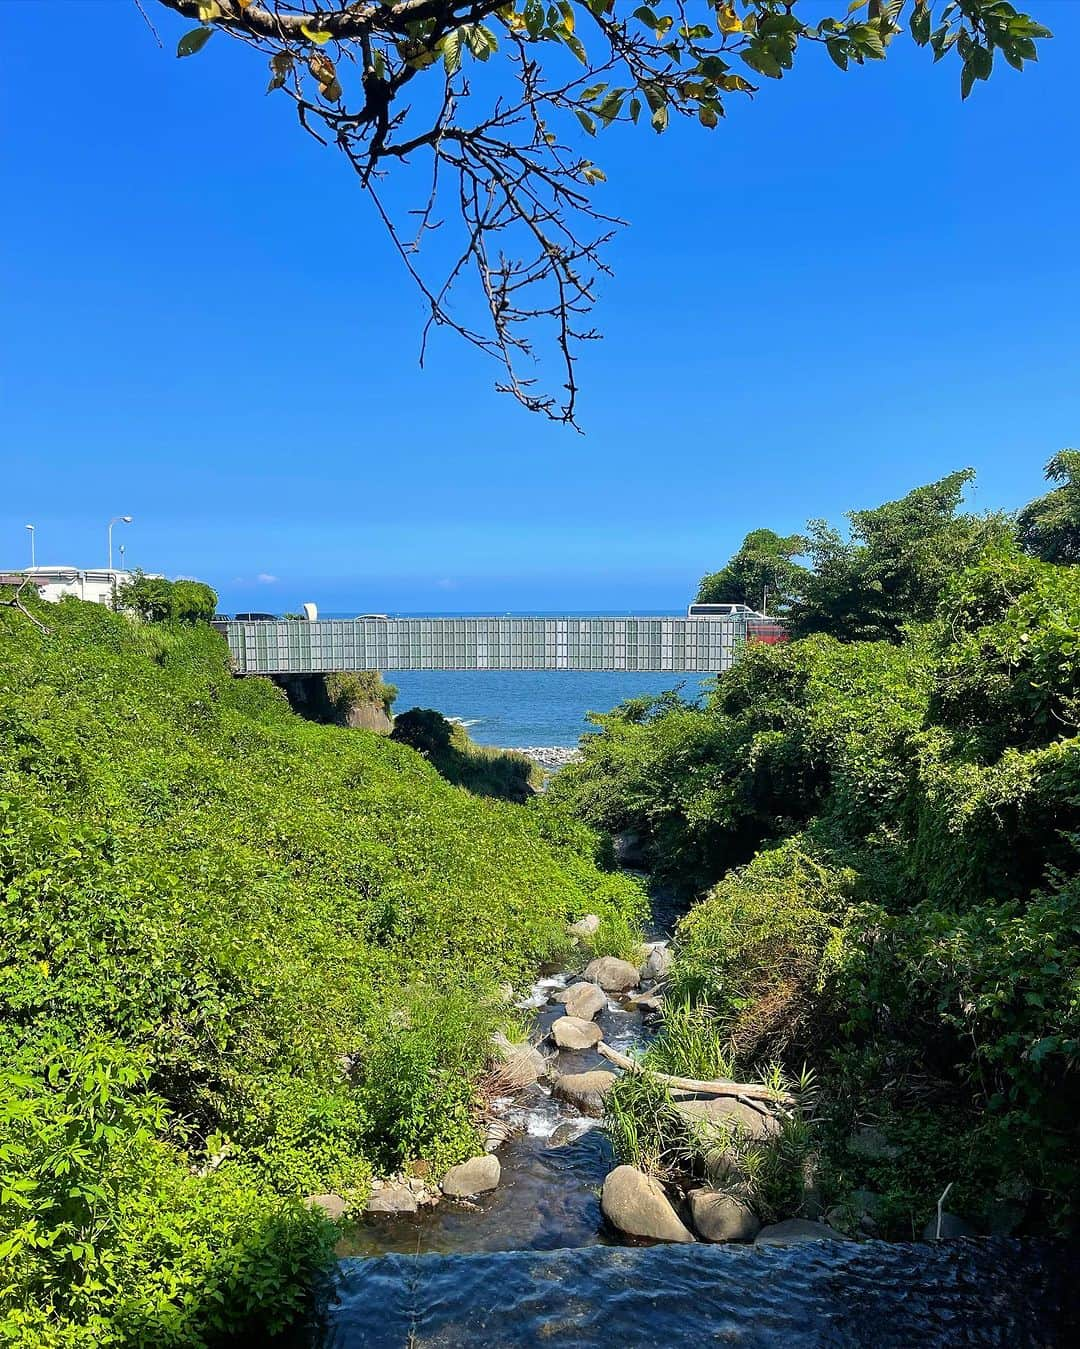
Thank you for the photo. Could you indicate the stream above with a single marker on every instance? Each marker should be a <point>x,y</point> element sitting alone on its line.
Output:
<point>552,1167</point>
<point>533,1261</point>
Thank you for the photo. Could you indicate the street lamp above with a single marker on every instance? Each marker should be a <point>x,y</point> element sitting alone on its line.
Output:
<point>116,520</point>
<point>33,559</point>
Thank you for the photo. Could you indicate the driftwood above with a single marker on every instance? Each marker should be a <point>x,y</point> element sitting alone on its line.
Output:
<point>751,1091</point>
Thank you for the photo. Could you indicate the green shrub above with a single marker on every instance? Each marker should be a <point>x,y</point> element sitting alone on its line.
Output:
<point>281,939</point>
<point>349,689</point>
<point>482,769</point>
<point>756,948</point>
<point>109,1238</point>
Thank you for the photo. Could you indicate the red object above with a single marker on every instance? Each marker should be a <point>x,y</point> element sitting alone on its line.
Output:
<point>767,631</point>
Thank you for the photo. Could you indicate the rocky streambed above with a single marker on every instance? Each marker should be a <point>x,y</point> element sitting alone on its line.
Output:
<point>539,1188</point>
<point>521,1245</point>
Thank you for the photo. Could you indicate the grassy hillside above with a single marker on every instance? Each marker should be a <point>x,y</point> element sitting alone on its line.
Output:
<point>243,958</point>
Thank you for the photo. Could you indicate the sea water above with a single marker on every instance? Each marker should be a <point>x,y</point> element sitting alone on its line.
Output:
<point>518,708</point>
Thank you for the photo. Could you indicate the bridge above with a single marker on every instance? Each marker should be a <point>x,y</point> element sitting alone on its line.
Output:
<point>676,644</point>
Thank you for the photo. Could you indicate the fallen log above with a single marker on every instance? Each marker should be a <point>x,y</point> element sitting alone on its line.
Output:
<point>752,1091</point>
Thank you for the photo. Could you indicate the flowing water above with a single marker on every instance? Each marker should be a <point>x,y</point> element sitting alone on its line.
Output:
<point>533,1263</point>
<point>994,1292</point>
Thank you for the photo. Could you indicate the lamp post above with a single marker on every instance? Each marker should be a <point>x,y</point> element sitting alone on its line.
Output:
<point>33,559</point>
<point>116,520</point>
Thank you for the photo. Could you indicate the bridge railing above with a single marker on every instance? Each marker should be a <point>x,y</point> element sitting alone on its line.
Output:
<point>675,644</point>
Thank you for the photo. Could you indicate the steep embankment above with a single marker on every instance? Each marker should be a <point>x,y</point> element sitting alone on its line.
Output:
<point>243,958</point>
<point>890,833</point>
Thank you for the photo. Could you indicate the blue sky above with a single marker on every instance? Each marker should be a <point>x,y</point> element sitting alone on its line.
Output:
<point>854,285</point>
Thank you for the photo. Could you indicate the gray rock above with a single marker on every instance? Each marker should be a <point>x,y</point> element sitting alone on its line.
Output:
<point>719,1217</point>
<point>566,1134</point>
<point>657,962</point>
<point>636,1204</point>
<point>584,1000</point>
<point>952,1227</point>
<point>519,1064</point>
<point>866,1206</point>
<point>722,1113</point>
<point>724,1166</point>
<point>648,1004</point>
<point>584,1090</point>
<point>475,1176</point>
<point>331,1204</point>
<point>393,1199</point>
<point>613,974</point>
<point>793,1230</point>
<point>869,1142</point>
<point>585,927</point>
<point>629,850</point>
<point>573,1032</point>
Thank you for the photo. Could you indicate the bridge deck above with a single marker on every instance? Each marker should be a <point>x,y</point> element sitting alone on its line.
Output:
<point>691,645</point>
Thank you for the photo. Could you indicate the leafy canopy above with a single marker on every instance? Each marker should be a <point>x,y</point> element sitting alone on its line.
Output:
<point>1049,527</point>
<point>893,567</point>
<point>401,84</point>
<point>761,574</point>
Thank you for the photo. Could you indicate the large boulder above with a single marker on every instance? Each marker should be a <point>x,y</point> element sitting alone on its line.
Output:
<point>519,1065</point>
<point>716,1114</point>
<point>586,1091</point>
<point>636,1204</point>
<point>393,1199</point>
<point>585,927</point>
<point>719,1217</point>
<point>795,1230</point>
<point>584,1000</point>
<point>475,1176</point>
<point>950,1228</point>
<point>573,1032</point>
<point>613,974</point>
<point>629,849</point>
<point>657,963</point>
<point>331,1204</point>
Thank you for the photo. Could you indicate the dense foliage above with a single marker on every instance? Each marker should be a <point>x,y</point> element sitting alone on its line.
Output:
<point>159,600</point>
<point>244,958</point>
<point>482,769</point>
<point>889,827</point>
<point>1050,527</point>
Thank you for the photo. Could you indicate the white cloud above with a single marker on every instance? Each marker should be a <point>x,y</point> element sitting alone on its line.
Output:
<point>265,579</point>
<point>446,583</point>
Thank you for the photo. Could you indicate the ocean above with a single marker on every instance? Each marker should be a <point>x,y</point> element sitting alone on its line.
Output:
<point>526,708</point>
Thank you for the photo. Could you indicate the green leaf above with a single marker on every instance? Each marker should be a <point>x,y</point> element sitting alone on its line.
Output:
<point>635,109</point>
<point>319,38</point>
<point>660,118</point>
<point>450,46</point>
<point>574,43</point>
<point>920,25</point>
<point>982,58</point>
<point>194,41</point>
<point>585,120</point>
<point>611,106</point>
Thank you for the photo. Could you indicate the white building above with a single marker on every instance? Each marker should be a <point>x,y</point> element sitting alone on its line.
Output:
<point>93,584</point>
